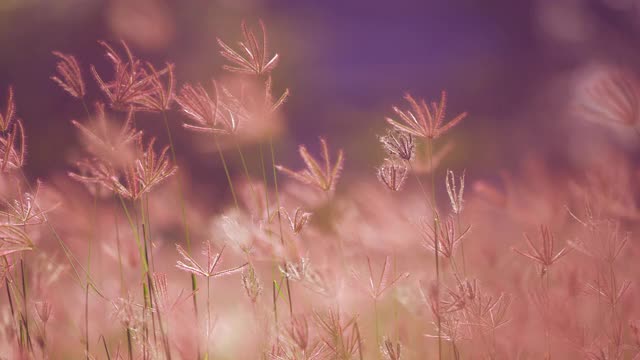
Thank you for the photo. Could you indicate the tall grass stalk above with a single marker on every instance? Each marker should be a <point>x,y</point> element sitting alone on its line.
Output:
<point>183,211</point>
<point>436,220</point>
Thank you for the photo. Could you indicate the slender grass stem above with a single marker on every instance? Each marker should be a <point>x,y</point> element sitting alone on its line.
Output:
<point>226,172</point>
<point>436,241</point>
<point>275,184</point>
<point>183,211</point>
<point>129,344</point>
<point>208,318</point>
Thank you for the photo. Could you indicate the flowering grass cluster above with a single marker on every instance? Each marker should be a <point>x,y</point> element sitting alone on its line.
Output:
<point>122,260</point>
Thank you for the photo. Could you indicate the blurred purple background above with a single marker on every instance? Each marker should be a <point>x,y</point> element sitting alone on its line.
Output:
<point>510,64</point>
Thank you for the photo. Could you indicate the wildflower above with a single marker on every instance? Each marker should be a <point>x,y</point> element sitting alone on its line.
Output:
<point>544,256</point>
<point>444,233</point>
<point>251,284</point>
<point>69,76</point>
<point>455,194</point>
<point>190,265</point>
<point>159,96</point>
<point>13,239</point>
<point>323,177</point>
<point>610,97</point>
<point>389,351</point>
<point>392,174</point>
<point>254,57</point>
<point>238,231</point>
<point>425,120</point>
<point>131,81</point>
<point>10,112</point>
<point>299,220</point>
<point>377,287</point>
<point>399,145</point>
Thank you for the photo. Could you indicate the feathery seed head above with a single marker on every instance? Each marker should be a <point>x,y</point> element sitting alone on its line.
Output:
<point>321,175</point>
<point>393,174</point>
<point>425,120</point>
<point>131,82</point>
<point>69,76</point>
<point>160,96</point>
<point>543,254</point>
<point>444,233</point>
<point>9,114</point>
<point>399,145</point>
<point>254,57</point>
<point>455,193</point>
<point>251,283</point>
<point>299,219</point>
<point>209,271</point>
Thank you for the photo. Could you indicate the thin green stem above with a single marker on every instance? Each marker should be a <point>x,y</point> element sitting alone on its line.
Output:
<point>436,241</point>
<point>208,317</point>
<point>94,219</point>
<point>275,184</point>
<point>226,172</point>
<point>246,169</point>
<point>183,212</point>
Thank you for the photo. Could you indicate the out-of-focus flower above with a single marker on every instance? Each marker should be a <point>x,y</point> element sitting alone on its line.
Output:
<point>322,176</point>
<point>147,24</point>
<point>425,120</point>
<point>254,57</point>
<point>609,97</point>
<point>69,76</point>
<point>392,174</point>
<point>107,142</point>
